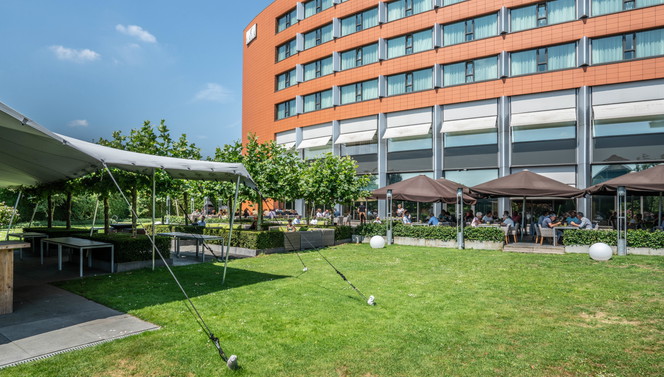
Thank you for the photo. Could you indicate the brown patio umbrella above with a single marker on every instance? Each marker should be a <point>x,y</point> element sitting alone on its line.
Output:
<point>525,184</point>
<point>420,189</point>
<point>646,182</point>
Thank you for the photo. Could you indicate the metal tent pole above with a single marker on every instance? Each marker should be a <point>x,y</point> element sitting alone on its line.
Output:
<point>523,218</point>
<point>460,219</point>
<point>94,218</point>
<point>622,220</point>
<point>230,231</point>
<point>11,220</point>
<point>34,212</point>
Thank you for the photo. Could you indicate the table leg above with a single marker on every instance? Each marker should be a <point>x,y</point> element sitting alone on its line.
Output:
<point>59,257</point>
<point>555,237</point>
<point>112,257</point>
<point>89,258</point>
<point>196,248</point>
<point>203,251</point>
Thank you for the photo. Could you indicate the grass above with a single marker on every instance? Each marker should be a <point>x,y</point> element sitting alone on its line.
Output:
<point>440,312</point>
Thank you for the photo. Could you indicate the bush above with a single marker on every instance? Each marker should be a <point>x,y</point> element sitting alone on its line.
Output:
<point>443,233</point>
<point>6,213</point>
<point>59,232</point>
<point>635,238</point>
<point>249,239</point>
<point>371,229</point>
<point>131,249</point>
<point>491,234</point>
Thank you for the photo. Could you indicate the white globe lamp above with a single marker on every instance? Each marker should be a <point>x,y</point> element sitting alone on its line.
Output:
<point>377,242</point>
<point>600,251</point>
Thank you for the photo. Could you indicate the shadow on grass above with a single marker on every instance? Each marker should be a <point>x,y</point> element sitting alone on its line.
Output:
<point>143,288</point>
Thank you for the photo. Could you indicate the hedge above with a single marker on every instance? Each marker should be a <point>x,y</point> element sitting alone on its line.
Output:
<point>443,233</point>
<point>635,238</point>
<point>58,232</point>
<point>249,239</point>
<point>341,232</point>
<point>131,249</point>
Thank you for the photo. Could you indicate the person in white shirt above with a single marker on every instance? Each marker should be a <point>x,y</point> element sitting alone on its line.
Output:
<point>477,220</point>
<point>585,222</point>
<point>507,221</point>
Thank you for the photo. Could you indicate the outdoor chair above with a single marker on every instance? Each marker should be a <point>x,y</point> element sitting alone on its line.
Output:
<point>546,233</point>
<point>538,235</point>
<point>509,232</point>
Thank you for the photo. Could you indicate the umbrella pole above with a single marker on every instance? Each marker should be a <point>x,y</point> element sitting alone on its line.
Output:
<point>523,218</point>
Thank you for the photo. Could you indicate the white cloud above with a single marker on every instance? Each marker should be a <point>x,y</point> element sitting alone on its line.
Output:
<point>214,93</point>
<point>78,123</point>
<point>136,32</point>
<point>78,56</point>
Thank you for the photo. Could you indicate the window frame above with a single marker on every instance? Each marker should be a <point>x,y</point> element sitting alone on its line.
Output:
<point>408,82</point>
<point>542,20</point>
<point>626,6</point>
<point>625,49</point>
<point>542,59</point>
<point>469,31</point>
<point>470,64</point>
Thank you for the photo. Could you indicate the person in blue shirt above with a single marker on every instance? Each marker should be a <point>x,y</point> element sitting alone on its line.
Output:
<point>201,222</point>
<point>433,221</point>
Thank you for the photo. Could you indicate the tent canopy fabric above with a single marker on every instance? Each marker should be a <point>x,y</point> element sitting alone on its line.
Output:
<point>525,184</point>
<point>31,154</point>
<point>420,189</point>
<point>645,182</point>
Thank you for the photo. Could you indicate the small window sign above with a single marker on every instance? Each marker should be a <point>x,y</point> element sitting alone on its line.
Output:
<point>251,34</point>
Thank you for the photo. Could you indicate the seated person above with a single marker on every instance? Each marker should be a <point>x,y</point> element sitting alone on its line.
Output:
<point>488,218</point>
<point>636,222</point>
<point>477,220</point>
<point>572,219</point>
<point>550,222</point>
<point>296,220</point>
<point>406,217</point>
<point>433,220</point>
<point>201,222</point>
<point>290,227</point>
<point>507,221</point>
<point>582,222</point>
<point>254,225</point>
<point>377,220</point>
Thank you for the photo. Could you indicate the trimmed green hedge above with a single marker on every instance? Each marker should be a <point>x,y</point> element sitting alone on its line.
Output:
<point>130,249</point>
<point>635,238</point>
<point>249,239</point>
<point>443,233</point>
<point>341,232</point>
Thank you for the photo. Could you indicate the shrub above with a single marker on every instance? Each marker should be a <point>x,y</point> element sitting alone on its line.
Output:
<point>131,249</point>
<point>371,229</point>
<point>59,232</point>
<point>635,238</point>
<point>443,233</point>
<point>6,213</point>
<point>249,239</point>
<point>491,234</point>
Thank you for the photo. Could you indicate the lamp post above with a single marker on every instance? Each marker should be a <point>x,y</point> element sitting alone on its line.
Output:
<point>389,216</point>
<point>622,220</point>
<point>460,219</point>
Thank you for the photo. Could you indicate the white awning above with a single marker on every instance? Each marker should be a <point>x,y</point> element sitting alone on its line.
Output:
<point>407,131</point>
<point>289,145</point>
<point>355,137</point>
<point>544,117</point>
<point>315,142</point>
<point>629,110</point>
<point>473,124</point>
<point>31,154</point>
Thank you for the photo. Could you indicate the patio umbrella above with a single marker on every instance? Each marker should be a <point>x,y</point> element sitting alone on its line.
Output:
<point>525,184</point>
<point>420,189</point>
<point>647,182</point>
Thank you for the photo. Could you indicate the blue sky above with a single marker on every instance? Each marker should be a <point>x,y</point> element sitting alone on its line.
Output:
<point>85,68</point>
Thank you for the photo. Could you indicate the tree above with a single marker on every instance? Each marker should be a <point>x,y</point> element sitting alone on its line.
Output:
<point>275,169</point>
<point>331,180</point>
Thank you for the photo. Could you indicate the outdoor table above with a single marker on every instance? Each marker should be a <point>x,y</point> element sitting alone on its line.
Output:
<point>28,235</point>
<point>488,225</point>
<point>7,274</point>
<point>77,243</point>
<point>555,234</point>
<point>199,238</point>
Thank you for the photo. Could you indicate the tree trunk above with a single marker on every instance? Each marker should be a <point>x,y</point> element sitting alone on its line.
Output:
<point>49,211</point>
<point>259,221</point>
<point>68,209</point>
<point>107,218</point>
<point>134,212</point>
<point>185,212</point>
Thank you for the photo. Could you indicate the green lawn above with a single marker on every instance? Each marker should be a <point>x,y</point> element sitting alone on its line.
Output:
<point>440,312</point>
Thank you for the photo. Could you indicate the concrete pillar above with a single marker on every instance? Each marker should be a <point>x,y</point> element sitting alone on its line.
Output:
<point>504,147</point>
<point>437,149</point>
<point>584,143</point>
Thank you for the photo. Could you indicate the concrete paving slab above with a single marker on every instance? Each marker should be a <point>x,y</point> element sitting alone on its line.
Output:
<point>48,320</point>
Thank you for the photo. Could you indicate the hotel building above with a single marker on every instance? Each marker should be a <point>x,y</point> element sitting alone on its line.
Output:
<point>466,90</point>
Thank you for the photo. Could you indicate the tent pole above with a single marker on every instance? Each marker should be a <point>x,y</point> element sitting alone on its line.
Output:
<point>460,218</point>
<point>230,231</point>
<point>154,189</point>
<point>11,220</point>
<point>34,212</point>
<point>94,218</point>
<point>523,218</point>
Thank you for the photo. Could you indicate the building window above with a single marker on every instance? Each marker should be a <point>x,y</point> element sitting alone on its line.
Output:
<point>544,144</point>
<point>361,91</point>
<point>470,71</point>
<point>631,139</point>
<point>628,46</point>
<point>473,138</point>
<point>404,144</point>
<point>316,6</point>
<point>359,22</point>
<point>410,82</point>
<point>286,109</point>
<point>404,8</point>
<point>318,36</point>
<point>287,20</point>
<point>318,101</point>
<point>470,30</point>
<point>318,68</point>
<point>543,59</point>
<point>600,7</point>
<point>359,56</point>
<point>409,44</point>
<point>285,50</point>
<point>542,14</point>
<point>286,79</point>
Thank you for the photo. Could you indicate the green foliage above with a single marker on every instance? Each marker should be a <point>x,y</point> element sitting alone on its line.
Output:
<point>371,229</point>
<point>131,249</point>
<point>341,232</point>
<point>58,232</point>
<point>332,179</point>
<point>249,239</point>
<point>635,238</point>
<point>491,234</point>
<point>443,233</point>
<point>6,213</point>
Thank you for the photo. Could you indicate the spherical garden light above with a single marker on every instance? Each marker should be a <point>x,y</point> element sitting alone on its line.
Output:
<point>377,242</point>
<point>600,251</point>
